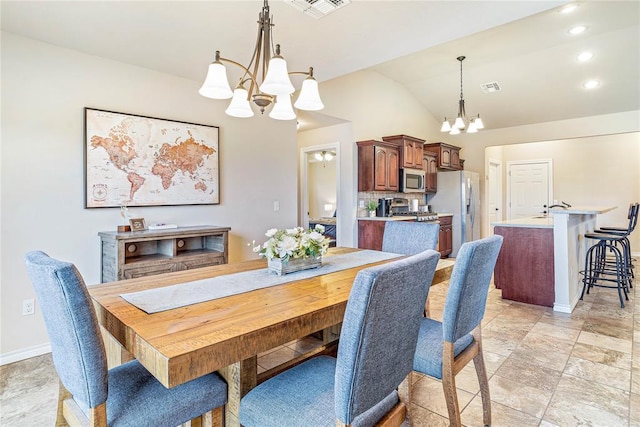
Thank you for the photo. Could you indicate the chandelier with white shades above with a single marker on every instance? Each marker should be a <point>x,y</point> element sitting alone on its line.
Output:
<point>266,77</point>
<point>462,122</point>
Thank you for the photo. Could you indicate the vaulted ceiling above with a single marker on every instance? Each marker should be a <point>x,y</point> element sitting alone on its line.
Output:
<point>523,46</point>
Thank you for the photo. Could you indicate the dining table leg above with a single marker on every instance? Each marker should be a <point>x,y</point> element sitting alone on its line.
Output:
<point>241,377</point>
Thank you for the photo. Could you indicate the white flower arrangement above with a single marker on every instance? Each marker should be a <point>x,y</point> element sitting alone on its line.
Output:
<point>294,243</point>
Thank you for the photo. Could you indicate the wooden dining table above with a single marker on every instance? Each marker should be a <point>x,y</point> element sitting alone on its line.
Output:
<point>226,334</point>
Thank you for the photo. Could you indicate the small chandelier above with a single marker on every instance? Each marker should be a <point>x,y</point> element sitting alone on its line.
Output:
<point>461,121</point>
<point>324,157</point>
<point>276,87</point>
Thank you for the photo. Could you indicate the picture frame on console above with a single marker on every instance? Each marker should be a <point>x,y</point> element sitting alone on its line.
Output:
<point>137,224</point>
<point>134,160</point>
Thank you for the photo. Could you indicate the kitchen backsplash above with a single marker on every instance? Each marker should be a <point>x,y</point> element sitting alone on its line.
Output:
<point>365,196</point>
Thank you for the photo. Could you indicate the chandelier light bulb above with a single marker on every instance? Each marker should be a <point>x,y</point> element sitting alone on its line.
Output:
<point>277,81</point>
<point>472,128</point>
<point>459,123</point>
<point>282,110</point>
<point>478,123</point>
<point>318,157</point>
<point>454,131</point>
<point>309,98</point>
<point>239,106</point>
<point>446,127</point>
<point>216,85</point>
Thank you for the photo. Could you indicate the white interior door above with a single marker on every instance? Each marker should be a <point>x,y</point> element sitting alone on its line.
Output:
<point>529,188</point>
<point>495,192</point>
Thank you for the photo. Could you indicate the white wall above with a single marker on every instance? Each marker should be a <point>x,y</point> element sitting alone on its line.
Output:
<point>610,124</point>
<point>596,170</point>
<point>44,91</point>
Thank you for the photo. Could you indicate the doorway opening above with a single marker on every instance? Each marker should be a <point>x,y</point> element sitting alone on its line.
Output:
<point>320,189</point>
<point>494,192</point>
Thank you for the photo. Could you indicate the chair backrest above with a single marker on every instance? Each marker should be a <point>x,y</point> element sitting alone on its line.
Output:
<point>76,344</point>
<point>633,217</point>
<point>380,332</point>
<point>409,237</point>
<point>469,287</point>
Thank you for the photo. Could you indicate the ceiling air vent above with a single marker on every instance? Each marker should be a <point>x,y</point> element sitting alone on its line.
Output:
<point>490,87</point>
<point>318,8</point>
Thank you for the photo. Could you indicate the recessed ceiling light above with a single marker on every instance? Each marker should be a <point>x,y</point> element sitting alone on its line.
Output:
<point>585,56</point>
<point>568,8</point>
<point>591,84</point>
<point>579,29</point>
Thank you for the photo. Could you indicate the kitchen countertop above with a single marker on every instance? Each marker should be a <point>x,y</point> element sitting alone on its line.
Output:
<point>528,222</point>
<point>583,210</point>
<point>546,221</point>
<point>396,218</point>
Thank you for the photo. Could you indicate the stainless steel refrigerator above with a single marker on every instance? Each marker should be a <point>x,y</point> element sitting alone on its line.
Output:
<point>459,194</point>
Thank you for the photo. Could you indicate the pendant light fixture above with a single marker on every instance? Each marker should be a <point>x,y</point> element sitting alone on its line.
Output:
<point>462,122</point>
<point>267,79</point>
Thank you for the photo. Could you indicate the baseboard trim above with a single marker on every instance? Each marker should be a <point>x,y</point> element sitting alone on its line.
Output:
<point>25,353</point>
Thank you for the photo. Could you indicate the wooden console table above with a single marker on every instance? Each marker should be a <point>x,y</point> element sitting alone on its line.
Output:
<point>127,255</point>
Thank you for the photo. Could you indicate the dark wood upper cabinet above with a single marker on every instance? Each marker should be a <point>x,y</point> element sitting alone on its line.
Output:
<point>448,155</point>
<point>411,150</point>
<point>430,168</point>
<point>378,166</point>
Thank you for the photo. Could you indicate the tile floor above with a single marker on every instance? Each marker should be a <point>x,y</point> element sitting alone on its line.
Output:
<point>546,369</point>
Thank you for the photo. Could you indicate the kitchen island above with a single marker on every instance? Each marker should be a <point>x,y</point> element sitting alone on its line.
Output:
<point>568,248</point>
<point>524,269</point>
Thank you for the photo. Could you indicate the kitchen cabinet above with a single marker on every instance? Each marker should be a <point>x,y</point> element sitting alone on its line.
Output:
<point>378,166</point>
<point>371,231</point>
<point>448,155</point>
<point>445,238</point>
<point>411,150</point>
<point>126,255</point>
<point>370,234</point>
<point>430,167</point>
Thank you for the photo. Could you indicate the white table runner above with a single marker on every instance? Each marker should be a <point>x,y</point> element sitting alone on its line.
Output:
<point>183,294</point>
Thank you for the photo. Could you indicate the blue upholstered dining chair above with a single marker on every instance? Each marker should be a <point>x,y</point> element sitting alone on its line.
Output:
<point>444,348</point>
<point>375,355</point>
<point>409,237</point>
<point>90,394</point>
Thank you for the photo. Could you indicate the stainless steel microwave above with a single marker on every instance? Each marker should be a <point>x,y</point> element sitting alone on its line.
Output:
<point>412,180</point>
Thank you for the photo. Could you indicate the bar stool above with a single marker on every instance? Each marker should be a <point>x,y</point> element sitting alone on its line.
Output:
<point>601,268</point>
<point>624,241</point>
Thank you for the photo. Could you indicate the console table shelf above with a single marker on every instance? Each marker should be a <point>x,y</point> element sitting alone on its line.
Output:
<point>126,255</point>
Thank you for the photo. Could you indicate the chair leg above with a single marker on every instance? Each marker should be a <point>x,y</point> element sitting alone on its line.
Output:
<point>483,380</point>
<point>213,418</point>
<point>449,385</point>
<point>63,394</point>
<point>404,392</point>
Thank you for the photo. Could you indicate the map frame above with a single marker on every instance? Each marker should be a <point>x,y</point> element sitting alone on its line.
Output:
<point>102,168</point>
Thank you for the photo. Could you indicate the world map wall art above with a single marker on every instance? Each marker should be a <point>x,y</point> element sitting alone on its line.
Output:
<point>133,160</point>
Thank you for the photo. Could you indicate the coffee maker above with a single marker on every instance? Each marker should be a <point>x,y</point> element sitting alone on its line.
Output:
<point>384,207</point>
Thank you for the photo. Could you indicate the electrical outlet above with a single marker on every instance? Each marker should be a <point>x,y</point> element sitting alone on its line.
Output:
<point>361,203</point>
<point>276,206</point>
<point>28,307</point>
